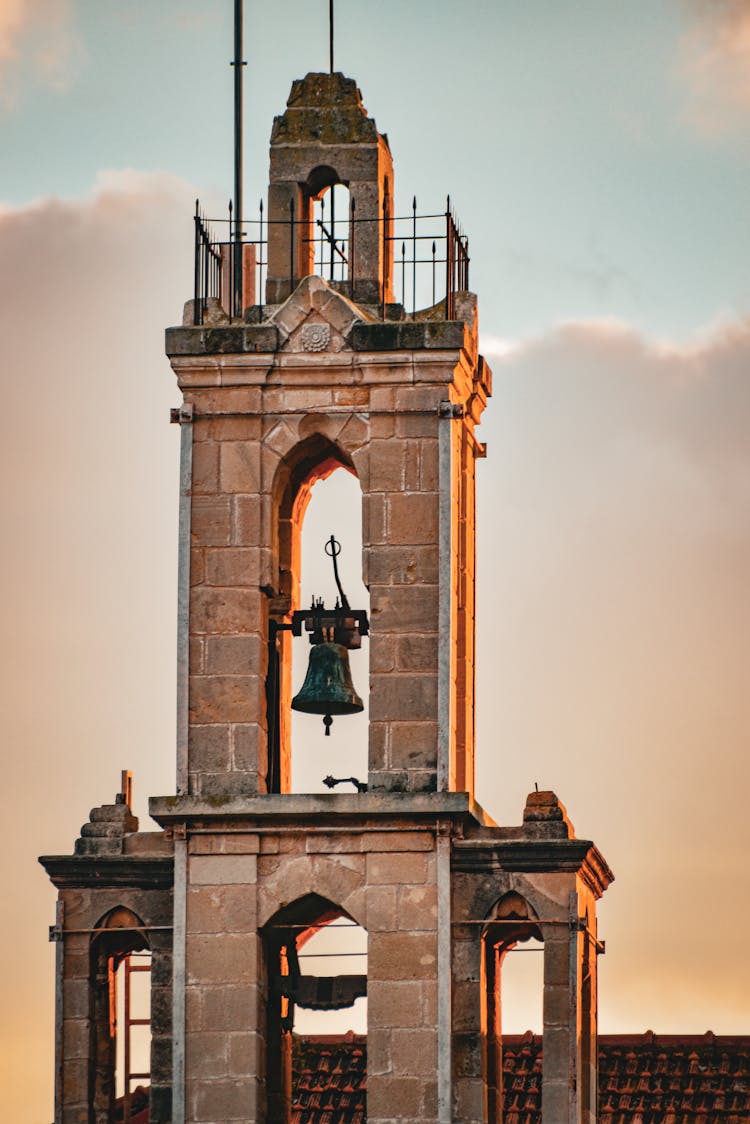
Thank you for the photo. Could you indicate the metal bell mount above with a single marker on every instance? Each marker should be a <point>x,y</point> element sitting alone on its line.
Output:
<point>328,689</point>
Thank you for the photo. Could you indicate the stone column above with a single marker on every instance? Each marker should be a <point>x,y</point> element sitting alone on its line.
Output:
<point>77,1037</point>
<point>228,628</point>
<point>559,1072</point>
<point>223,1062</point>
<point>402,988</point>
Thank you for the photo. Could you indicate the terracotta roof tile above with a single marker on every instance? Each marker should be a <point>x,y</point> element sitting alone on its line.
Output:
<point>643,1079</point>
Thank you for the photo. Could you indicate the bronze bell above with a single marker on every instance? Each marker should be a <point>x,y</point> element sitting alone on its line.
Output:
<point>328,687</point>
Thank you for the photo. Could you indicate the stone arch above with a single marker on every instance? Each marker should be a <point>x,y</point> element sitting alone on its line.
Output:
<point>312,458</point>
<point>491,892</point>
<point>120,929</point>
<point>118,933</point>
<point>320,178</point>
<point>286,931</point>
<point>510,920</point>
<point>338,885</point>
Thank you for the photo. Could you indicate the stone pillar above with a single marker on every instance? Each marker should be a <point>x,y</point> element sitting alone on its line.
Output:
<point>228,611</point>
<point>560,1024</point>
<point>161,1028</point>
<point>401,543</point>
<point>223,1058</point>
<point>77,1031</point>
<point>402,985</point>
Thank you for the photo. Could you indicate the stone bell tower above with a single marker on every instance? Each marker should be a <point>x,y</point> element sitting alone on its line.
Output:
<point>344,372</point>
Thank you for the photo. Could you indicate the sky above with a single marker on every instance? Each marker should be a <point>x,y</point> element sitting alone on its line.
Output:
<point>598,155</point>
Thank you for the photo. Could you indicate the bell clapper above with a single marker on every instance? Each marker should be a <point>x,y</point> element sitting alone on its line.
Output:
<point>327,722</point>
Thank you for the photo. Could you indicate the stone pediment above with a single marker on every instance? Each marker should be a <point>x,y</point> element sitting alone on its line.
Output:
<point>316,318</point>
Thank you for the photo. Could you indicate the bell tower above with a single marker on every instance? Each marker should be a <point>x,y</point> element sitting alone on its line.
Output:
<point>357,347</point>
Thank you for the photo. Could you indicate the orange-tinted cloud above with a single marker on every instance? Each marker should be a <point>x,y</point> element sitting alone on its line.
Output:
<point>716,62</point>
<point>39,43</point>
<point>614,549</point>
<point>87,461</point>
<point>614,643</point>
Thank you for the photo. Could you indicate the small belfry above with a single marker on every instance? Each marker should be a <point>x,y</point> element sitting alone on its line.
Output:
<point>333,332</point>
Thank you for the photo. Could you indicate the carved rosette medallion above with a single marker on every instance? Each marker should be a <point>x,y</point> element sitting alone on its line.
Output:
<point>315,337</point>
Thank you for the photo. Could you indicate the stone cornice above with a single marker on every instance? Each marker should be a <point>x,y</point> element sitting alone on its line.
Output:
<point>534,856</point>
<point>86,871</point>
<point>410,811</point>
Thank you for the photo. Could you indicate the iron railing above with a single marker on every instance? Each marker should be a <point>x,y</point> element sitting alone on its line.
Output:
<point>424,257</point>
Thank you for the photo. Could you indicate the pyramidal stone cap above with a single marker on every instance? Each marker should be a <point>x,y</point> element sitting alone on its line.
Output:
<point>327,109</point>
<point>546,813</point>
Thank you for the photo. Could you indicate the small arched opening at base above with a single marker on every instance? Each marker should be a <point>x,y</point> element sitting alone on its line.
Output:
<point>121,977</point>
<point>512,926</point>
<point>316,1010</point>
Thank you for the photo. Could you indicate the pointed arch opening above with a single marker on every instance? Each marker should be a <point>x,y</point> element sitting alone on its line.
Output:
<point>316,1011</point>
<point>121,994</point>
<point>512,994</point>
<point>317,495</point>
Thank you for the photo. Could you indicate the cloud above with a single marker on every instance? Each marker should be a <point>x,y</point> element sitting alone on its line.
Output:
<point>39,44</point>
<point>614,549</point>
<point>715,60</point>
<point>614,635</point>
<point>88,462</point>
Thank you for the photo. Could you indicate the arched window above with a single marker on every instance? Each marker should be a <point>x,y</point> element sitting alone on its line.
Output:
<point>512,926</point>
<point>313,501</point>
<point>335,507</point>
<point>316,1009</point>
<point>331,232</point>
<point>121,973</point>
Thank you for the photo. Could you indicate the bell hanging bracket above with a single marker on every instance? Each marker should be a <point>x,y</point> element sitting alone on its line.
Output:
<point>328,689</point>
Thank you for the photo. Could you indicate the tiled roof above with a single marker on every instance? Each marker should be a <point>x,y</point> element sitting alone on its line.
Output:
<point>643,1079</point>
<point>674,1079</point>
<point>330,1080</point>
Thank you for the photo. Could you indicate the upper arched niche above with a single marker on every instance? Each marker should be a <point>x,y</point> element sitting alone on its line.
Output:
<point>120,931</point>
<point>320,179</point>
<point>511,918</point>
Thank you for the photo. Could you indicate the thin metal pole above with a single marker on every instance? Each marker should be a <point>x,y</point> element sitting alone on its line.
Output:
<point>333,232</point>
<point>261,296</point>
<point>352,244</point>
<point>330,35</point>
<point>238,64</point>
<point>197,317</point>
<point>413,255</point>
<point>232,250</point>
<point>448,249</point>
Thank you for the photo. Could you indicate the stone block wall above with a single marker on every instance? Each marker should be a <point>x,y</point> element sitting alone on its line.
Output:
<point>385,880</point>
<point>85,1069</point>
<point>265,427</point>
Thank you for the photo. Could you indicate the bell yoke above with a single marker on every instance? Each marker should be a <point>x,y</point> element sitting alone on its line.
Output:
<point>328,687</point>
